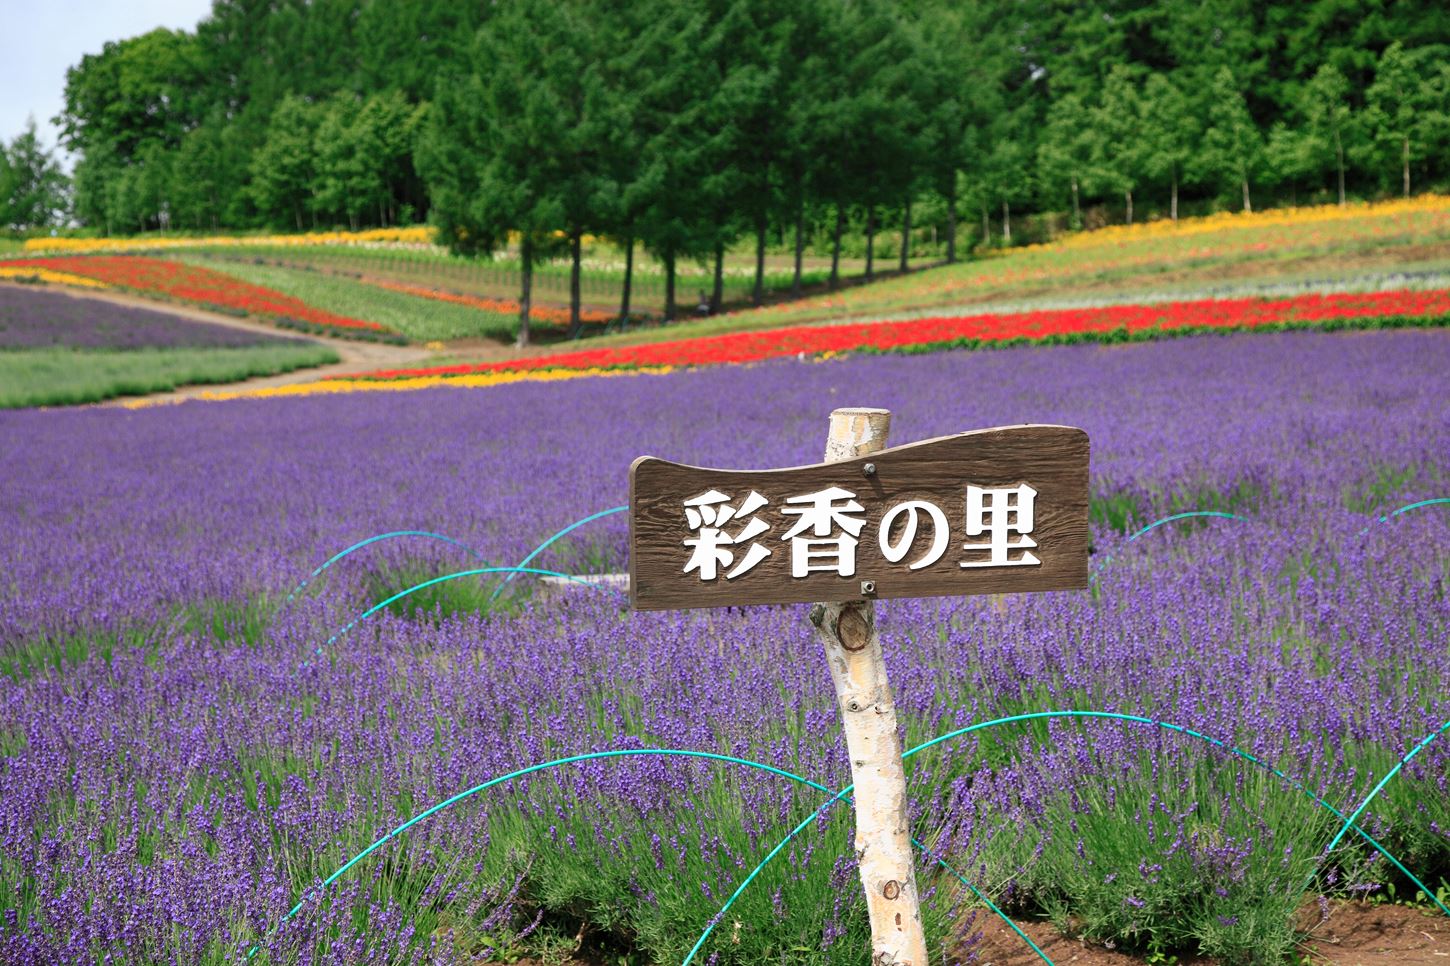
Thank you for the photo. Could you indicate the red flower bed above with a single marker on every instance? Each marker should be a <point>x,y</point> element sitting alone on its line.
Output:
<point>1049,325</point>
<point>200,286</point>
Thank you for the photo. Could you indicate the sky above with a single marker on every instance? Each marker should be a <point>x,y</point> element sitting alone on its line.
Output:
<point>41,38</point>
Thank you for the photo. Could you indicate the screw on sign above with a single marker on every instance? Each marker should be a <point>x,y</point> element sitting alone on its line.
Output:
<point>986,512</point>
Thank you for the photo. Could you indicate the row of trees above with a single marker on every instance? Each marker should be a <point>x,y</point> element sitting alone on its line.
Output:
<point>684,126</point>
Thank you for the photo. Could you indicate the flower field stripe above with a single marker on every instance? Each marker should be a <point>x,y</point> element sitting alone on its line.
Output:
<point>390,535</point>
<point>26,274</point>
<point>545,545</point>
<point>1039,715</point>
<point>1048,326</point>
<point>547,315</point>
<point>326,387</point>
<point>625,753</point>
<point>375,237</point>
<point>156,277</point>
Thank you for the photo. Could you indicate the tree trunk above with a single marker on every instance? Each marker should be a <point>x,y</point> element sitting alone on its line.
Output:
<point>847,632</point>
<point>757,298</point>
<point>1339,158</point>
<point>576,240</point>
<point>717,294</point>
<point>905,235</point>
<point>986,226</point>
<point>1076,210</point>
<point>1173,205</point>
<point>526,275</point>
<point>836,247</point>
<point>800,246</point>
<point>1248,204</point>
<point>952,221</point>
<point>870,240</point>
<point>1128,196</point>
<point>297,214</point>
<point>1006,224</point>
<point>628,281</point>
<point>1405,156</point>
<point>670,287</point>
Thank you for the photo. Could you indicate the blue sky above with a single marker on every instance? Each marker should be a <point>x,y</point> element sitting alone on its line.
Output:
<point>41,38</point>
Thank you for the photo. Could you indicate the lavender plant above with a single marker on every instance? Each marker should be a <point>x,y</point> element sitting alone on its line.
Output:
<point>181,765</point>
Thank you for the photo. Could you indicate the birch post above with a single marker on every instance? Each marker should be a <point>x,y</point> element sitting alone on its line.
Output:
<point>847,630</point>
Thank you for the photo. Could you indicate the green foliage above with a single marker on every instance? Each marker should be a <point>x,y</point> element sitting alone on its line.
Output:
<point>1407,111</point>
<point>691,126</point>
<point>34,191</point>
<point>63,377</point>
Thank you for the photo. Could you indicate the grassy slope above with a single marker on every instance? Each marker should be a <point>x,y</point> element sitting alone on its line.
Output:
<point>417,318</point>
<point>54,377</point>
<point>1324,248</point>
<point>1317,248</point>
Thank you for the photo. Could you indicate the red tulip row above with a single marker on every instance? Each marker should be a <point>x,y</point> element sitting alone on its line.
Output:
<point>1107,323</point>
<point>198,286</point>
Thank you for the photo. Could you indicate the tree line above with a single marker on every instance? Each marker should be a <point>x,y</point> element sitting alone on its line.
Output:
<point>684,127</point>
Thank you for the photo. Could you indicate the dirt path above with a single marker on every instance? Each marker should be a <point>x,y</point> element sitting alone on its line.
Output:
<point>354,355</point>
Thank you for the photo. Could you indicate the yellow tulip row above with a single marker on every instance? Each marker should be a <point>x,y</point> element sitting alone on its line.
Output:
<point>1230,220</point>
<point>332,386</point>
<point>418,235</point>
<point>27,274</point>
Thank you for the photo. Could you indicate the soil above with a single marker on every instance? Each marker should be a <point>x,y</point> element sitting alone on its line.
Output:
<point>1355,934</point>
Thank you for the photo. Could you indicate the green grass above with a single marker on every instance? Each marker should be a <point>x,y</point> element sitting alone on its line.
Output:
<point>11,246</point>
<point>62,376</point>
<point>417,318</point>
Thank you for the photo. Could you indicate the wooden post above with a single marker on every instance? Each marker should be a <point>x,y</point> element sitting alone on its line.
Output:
<point>847,630</point>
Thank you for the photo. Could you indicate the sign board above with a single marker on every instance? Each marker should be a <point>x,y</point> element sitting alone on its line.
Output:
<point>992,511</point>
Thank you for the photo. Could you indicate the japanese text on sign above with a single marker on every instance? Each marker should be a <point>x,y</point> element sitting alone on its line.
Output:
<point>727,539</point>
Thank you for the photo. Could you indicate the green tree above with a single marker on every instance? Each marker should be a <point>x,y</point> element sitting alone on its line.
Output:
<point>283,167</point>
<point>1064,152</point>
<point>1329,118</point>
<point>34,191</point>
<point>1408,108</point>
<point>1232,148</point>
<point>1116,137</point>
<point>1169,133</point>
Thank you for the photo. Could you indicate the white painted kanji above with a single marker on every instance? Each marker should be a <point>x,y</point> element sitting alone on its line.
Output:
<point>896,550</point>
<point>999,514</point>
<point>834,520</point>
<point>706,515</point>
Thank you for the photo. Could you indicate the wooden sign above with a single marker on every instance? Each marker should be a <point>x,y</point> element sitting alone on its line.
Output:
<point>992,511</point>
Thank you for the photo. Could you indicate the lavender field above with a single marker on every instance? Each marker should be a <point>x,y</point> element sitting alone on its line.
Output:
<point>186,753</point>
<point>62,349</point>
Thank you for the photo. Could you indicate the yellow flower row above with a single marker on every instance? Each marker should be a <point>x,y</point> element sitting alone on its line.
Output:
<point>333,386</point>
<point>1229,220</point>
<point>419,235</point>
<point>48,275</point>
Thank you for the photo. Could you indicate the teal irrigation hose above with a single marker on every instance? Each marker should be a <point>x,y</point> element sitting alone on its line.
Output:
<point>382,536</point>
<point>455,576</point>
<point>1349,822</point>
<point>1158,523</point>
<point>545,545</point>
<point>620,753</point>
<point>1067,714</point>
<point>1405,509</point>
